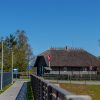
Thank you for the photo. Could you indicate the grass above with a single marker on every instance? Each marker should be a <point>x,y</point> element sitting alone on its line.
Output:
<point>92,90</point>
<point>5,88</point>
<point>24,77</point>
<point>29,95</point>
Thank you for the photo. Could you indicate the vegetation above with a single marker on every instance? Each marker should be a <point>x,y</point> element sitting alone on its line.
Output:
<point>18,44</point>
<point>92,90</point>
<point>5,88</point>
<point>29,95</point>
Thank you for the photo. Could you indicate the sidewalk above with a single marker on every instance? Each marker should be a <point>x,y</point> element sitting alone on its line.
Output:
<point>12,92</point>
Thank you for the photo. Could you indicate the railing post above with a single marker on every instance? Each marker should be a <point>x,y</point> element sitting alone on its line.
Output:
<point>49,92</point>
<point>41,90</point>
<point>57,96</point>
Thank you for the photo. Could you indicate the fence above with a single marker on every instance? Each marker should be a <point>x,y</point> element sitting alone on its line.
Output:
<point>43,90</point>
<point>74,72</point>
<point>21,75</point>
<point>73,76</point>
<point>7,78</point>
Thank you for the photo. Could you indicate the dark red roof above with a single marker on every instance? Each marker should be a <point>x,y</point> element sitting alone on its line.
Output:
<point>70,57</point>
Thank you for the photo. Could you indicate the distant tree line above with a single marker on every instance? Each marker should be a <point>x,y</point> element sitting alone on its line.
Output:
<point>22,51</point>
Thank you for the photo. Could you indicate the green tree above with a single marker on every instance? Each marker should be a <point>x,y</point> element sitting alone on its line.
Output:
<point>10,43</point>
<point>18,43</point>
<point>24,51</point>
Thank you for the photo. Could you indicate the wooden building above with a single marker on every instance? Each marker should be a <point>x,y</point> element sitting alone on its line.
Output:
<point>64,60</point>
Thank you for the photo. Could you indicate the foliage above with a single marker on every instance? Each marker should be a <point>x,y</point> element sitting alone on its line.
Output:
<point>29,95</point>
<point>22,52</point>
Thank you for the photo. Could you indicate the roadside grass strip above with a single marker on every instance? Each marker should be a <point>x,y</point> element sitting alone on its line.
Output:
<point>29,95</point>
<point>5,88</point>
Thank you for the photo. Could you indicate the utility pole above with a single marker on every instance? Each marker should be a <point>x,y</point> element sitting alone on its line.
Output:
<point>2,67</point>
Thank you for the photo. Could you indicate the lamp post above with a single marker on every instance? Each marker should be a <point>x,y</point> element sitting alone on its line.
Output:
<point>12,65</point>
<point>2,67</point>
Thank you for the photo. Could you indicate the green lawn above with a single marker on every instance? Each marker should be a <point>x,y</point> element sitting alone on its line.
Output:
<point>92,90</point>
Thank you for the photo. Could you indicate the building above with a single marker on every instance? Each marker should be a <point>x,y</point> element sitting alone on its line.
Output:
<point>66,61</point>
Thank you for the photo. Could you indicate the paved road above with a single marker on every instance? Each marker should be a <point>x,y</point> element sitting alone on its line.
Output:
<point>12,92</point>
<point>76,82</point>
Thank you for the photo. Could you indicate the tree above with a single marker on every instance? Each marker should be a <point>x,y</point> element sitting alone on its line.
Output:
<point>18,43</point>
<point>24,51</point>
<point>9,46</point>
<point>11,41</point>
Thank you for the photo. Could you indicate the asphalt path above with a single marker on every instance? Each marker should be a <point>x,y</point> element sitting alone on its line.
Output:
<point>12,92</point>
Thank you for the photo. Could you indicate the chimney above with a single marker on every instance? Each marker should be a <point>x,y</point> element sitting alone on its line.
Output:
<point>66,48</point>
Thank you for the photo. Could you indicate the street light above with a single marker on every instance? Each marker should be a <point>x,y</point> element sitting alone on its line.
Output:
<point>12,65</point>
<point>2,67</point>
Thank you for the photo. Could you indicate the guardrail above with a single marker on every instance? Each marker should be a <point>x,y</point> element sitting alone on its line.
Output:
<point>43,90</point>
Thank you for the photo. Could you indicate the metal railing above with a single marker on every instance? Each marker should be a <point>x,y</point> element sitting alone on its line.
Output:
<point>43,90</point>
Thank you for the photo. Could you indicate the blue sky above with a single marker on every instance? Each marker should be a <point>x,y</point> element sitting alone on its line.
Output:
<point>53,23</point>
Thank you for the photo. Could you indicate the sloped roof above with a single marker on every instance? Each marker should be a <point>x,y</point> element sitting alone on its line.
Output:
<point>70,57</point>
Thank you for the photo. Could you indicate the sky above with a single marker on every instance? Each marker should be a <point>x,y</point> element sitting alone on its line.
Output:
<point>53,23</point>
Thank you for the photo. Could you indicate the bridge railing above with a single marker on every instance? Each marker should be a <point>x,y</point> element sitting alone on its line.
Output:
<point>43,90</point>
